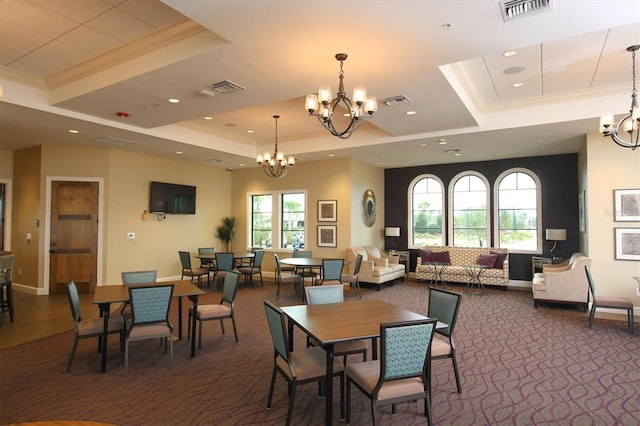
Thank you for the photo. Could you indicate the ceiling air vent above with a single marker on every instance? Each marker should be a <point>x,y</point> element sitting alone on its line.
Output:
<point>395,100</point>
<point>115,141</point>
<point>226,86</point>
<point>512,9</point>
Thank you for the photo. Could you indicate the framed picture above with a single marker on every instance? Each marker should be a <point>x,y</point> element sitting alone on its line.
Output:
<point>327,236</point>
<point>627,243</point>
<point>327,210</point>
<point>627,205</point>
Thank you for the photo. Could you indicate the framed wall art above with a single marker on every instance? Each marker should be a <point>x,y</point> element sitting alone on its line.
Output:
<point>627,243</point>
<point>626,205</point>
<point>327,236</point>
<point>327,210</point>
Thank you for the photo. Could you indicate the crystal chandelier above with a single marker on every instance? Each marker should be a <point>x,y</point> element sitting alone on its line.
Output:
<point>275,165</point>
<point>328,109</point>
<point>630,123</point>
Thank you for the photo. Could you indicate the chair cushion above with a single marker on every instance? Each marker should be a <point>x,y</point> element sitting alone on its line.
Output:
<point>308,363</point>
<point>366,375</point>
<point>212,311</point>
<point>487,260</point>
<point>440,347</point>
<point>93,326</point>
<point>150,331</point>
<point>614,302</point>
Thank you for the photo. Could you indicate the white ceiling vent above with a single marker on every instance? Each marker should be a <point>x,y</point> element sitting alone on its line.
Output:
<point>226,86</point>
<point>115,141</point>
<point>395,100</point>
<point>512,9</point>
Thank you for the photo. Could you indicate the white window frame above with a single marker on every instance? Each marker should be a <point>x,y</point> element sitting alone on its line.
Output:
<point>496,214</point>
<point>276,217</point>
<point>412,185</point>
<point>450,206</point>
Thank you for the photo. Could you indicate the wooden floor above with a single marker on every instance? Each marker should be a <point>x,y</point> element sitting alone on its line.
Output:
<point>36,317</point>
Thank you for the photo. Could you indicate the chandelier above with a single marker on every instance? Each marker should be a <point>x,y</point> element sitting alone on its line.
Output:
<point>328,109</point>
<point>275,165</point>
<point>630,123</point>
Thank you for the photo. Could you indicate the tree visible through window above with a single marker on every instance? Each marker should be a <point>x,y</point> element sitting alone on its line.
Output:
<point>292,221</point>
<point>469,210</point>
<point>261,217</point>
<point>426,213</point>
<point>518,226</point>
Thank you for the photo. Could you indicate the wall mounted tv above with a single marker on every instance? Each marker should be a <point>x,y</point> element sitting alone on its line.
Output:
<point>172,198</point>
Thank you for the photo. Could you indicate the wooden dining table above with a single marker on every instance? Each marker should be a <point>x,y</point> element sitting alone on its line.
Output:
<point>105,295</point>
<point>342,322</point>
<point>237,257</point>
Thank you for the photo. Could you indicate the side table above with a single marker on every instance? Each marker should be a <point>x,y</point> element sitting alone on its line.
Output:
<point>403,258</point>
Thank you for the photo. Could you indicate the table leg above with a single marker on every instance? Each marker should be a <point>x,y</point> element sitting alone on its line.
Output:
<point>290,326</point>
<point>104,313</point>
<point>328,387</point>
<point>194,300</point>
<point>180,318</point>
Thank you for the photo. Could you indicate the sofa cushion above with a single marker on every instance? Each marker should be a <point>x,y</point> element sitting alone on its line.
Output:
<point>500,258</point>
<point>487,260</point>
<point>441,256</point>
<point>426,255</point>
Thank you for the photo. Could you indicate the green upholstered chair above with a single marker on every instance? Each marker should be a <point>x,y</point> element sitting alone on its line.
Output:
<point>444,305</point>
<point>353,279</point>
<point>255,268</point>
<point>288,278</point>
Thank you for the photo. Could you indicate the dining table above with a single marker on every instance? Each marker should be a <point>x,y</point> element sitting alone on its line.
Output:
<point>237,257</point>
<point>105,295</point>
<point>342,322</point>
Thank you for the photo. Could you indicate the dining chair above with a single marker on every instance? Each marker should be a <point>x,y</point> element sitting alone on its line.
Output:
<point>318,295</point>
<point>401,374</point>
<point>304,271</point>
<point>189,271</point>
<point>444,305</point>
<point>225,261</point>
<point>224,309</point>
<point>87,328</point>
<point>6,285</point>
<point>291,278</point>
<point>255,268</point>
<point>135,277</point>
<point>149,318</point>
<point>353,279</point>
<point>207,263</point>
<point>300,366</point>
<point>609,302</point>
<point>331,272</point>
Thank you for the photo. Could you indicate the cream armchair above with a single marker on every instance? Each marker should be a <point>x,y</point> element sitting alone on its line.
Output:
<point>563,284</point>
<point>376,267</point>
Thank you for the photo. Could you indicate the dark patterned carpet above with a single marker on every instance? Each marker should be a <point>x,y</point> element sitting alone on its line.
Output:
<point>519,366</point>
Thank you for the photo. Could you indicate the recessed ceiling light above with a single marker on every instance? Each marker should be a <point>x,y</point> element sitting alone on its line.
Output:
<point>208,118</point>
<point>250,131</point>
<point>179,152</point>
<point>447,26</point>
<point>332,155</point>
<point>241,164</point>
<point>73,131</point>
<point>510,53</point>
<point>410,113</point>
<point>458,154</point>
<point>173,100</point>
<point>516,85</point>
<point>442,141</point>
<point>423,144</point>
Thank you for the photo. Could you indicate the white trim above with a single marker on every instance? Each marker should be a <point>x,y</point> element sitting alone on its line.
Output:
<point>450,205</point>
<point>276,217</point>
<point>47,224</point>
<point>8,210</point>
<point>443,212</point>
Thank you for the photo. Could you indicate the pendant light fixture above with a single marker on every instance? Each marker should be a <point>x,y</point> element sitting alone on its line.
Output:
<point>275,164</point>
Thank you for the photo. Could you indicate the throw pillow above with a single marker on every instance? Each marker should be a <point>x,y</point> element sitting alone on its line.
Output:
<point>426,255</point>
<point>487,260</point>
<point>500,258</point>
<point>441,256</point>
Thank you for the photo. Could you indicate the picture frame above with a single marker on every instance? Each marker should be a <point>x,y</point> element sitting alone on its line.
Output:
<point>327,210</point>
<point>627,242</point>
<point>327,236</point>
<point>626,205</point>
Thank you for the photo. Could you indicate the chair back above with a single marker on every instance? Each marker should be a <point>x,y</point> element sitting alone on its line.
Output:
<point>74,302</point>
<point>332,269</point>
<point>405,347</point>
<point>321,294</point>
<point>230,288</point>
<point>6,267</point>
<point>592,285</point>
<point>139,277</point>
<point>356,267</point>
<point>444,305</point>
<point>277,327</point>
<point>185,259</point>
<point>278,269</point>
<point>224,260</point>
<point>302,253</point>
<point>150,304</point>
<point>205,262</point>
<point>257,258</point>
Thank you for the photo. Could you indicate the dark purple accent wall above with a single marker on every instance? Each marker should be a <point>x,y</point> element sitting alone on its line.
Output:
<point>559,178</point>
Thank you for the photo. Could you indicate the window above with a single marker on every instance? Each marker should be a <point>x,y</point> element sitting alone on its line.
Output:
<point>277,220</point>
<point>426,201</point>
<point>518,204</point>
<point>469,201</point>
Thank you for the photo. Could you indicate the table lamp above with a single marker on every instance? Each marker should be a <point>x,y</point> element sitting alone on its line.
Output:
<point>555,235</point>
<point>393,232</point>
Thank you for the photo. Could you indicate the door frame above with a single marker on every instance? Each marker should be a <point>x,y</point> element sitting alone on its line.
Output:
<point>8,210</point>
<point>47,224</point>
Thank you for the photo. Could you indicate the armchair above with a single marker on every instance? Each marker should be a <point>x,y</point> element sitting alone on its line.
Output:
<point>564,284</point>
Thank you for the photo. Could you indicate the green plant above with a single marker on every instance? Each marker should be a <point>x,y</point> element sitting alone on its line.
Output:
<point>226,230</point>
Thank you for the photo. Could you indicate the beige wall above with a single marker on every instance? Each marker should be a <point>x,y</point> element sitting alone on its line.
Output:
<point>609,167</point>
<point>6,164</point>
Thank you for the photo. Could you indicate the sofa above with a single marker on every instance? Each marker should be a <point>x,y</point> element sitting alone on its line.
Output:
<point>563,283</point>
<point>496,260</point>
<point>377,267</point>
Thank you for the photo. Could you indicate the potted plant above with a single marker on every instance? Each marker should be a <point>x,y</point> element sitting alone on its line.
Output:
<point>225,231</point>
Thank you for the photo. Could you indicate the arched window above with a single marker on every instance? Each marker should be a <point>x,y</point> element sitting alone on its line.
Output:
<point>469,209</point>
<point>426,200</point>
<point>518,211</point>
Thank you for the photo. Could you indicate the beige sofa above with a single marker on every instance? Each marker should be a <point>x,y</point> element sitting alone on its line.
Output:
<point>377,267</point>
<point>460,256</point>
<point>565,283</point>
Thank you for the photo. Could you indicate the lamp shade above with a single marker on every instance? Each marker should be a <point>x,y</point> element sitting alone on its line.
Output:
<point>556,234</point>
<point>392,231</point>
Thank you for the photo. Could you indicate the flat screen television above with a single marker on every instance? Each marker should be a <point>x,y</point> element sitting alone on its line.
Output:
<point>172,198</point>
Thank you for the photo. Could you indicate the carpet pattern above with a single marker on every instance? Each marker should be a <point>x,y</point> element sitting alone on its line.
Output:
<point>518,366</point>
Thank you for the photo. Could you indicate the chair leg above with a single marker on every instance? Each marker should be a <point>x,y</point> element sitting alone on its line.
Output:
<point>199,334</point>
<point>235,332</point>
<point>292,399</point>
<point>171,351</point>
<point>273,383</point>
<point>455,370</point>
<point>631,325</point>
<point>72,354</point>
<point>348,401</point>
<point>592,314</point>
<point>126,358</point>
<point>10,301</point>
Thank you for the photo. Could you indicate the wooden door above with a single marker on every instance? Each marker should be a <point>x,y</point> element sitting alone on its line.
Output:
<point>74,236</point>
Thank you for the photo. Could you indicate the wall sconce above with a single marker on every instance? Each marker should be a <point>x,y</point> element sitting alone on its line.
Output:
<point>555,235</point>
<point>393,232</point>
<point>145,215</point>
